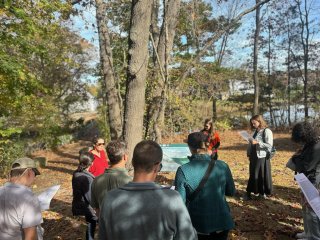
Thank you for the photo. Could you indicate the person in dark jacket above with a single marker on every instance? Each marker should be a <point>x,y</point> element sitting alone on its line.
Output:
<point>81,186</point>
<point>307,161</point>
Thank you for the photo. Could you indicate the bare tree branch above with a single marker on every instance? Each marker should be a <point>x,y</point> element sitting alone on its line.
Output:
<point>216,37</point>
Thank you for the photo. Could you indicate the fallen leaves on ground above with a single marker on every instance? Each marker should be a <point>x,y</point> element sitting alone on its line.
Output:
<point>278,217</point>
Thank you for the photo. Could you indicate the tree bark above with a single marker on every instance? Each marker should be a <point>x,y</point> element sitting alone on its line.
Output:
<point>137,72</point>
<point>154,34</point>
<point>106,58</point>
<point>255,61</point>
<point>167,33</point>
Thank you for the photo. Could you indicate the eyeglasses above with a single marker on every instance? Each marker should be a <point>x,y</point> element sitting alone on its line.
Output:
<point>100,144</point>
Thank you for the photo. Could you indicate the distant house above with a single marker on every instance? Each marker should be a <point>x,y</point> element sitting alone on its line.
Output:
<point>240,87</point>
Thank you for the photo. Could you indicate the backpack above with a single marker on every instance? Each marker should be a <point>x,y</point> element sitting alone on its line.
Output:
<point>270,154</point>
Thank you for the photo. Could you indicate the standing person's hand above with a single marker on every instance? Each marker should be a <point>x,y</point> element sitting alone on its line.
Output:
<point>253,141</point>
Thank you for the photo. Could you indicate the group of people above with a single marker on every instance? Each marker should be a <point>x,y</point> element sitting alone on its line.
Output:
<point>136,207</point>
<point>200,210</point>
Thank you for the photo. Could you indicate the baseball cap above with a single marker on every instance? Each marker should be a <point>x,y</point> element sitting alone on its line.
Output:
<point>196,140</point>
<point>25,162</point>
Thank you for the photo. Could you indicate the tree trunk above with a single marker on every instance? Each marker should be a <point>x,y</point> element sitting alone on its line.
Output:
<point>137,72</point>
<point>165,45</point>
<point>304,35</point>
<point>214,109</point>
<point>113,101</point>
<point>255,61</point>
<point>155,32</point>
<point>269,75</point>
<point>289,75</point>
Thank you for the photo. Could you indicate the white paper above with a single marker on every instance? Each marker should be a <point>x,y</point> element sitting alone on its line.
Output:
<point>245,135</point>
<point>46,196</point>
<point>168,186</point>
<point>310,192</point>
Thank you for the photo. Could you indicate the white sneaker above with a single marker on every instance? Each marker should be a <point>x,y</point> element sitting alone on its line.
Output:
<point>301,235</point>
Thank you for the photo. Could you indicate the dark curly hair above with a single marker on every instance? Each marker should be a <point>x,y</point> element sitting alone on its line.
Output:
<point>305,132</point>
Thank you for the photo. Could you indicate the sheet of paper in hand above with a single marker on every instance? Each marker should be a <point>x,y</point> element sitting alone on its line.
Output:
<point>46,196</point>
<point>245,135</point>
<point>309,191</point>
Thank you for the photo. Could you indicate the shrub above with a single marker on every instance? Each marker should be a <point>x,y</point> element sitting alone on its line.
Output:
<point>223,124</point>
<point>10,151</point>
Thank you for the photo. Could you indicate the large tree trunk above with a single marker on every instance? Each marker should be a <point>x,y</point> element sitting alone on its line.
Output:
<point>164,47</point>
<point>137,72</point>
<point>155,32</point>
<point>113,101</point>
<point>255,61</point>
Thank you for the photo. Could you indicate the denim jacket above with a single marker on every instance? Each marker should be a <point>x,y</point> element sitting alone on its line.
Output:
<point>262,147</point>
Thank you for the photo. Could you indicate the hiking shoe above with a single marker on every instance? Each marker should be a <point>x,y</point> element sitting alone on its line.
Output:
<point>301,235</point>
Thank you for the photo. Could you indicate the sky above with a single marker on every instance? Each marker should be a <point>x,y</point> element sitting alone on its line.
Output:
<point>85,26</point>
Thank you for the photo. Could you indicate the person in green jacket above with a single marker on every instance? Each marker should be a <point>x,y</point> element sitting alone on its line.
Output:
<point>209,210</point>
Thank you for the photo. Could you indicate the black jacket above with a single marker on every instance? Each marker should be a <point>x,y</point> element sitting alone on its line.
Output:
<point>81,186</point>
<point>308,162</point>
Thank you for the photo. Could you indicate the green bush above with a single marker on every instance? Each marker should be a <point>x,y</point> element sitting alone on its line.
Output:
<point>10,151</point>
<point>223,124</point>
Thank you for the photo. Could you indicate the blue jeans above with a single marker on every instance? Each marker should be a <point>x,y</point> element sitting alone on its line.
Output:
<point>311,223</point>
<point>91,226</point>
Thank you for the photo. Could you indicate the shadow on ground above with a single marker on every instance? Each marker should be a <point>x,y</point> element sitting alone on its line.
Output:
<point>277,217</point>
<point>65,226</point>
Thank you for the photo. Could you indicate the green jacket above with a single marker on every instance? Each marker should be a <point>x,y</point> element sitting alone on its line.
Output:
<point>111,179</point>
<point>209,211</point>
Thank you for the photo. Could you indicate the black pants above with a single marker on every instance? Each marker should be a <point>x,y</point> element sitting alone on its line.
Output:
<point>214,236</point>
<point>91,226</point>
<point>260,180</point>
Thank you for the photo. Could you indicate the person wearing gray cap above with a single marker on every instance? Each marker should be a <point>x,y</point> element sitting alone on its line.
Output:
<point>20,214</point>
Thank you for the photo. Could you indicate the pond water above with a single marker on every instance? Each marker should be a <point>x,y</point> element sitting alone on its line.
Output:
<point>174,155</point>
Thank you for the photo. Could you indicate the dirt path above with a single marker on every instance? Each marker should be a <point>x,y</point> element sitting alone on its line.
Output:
<point>278,217</point>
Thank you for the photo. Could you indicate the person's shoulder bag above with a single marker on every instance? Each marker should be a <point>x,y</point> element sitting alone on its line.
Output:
<point>202,182</point>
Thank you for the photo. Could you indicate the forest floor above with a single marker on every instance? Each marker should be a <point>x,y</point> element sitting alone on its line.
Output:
<point>278,217</point>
